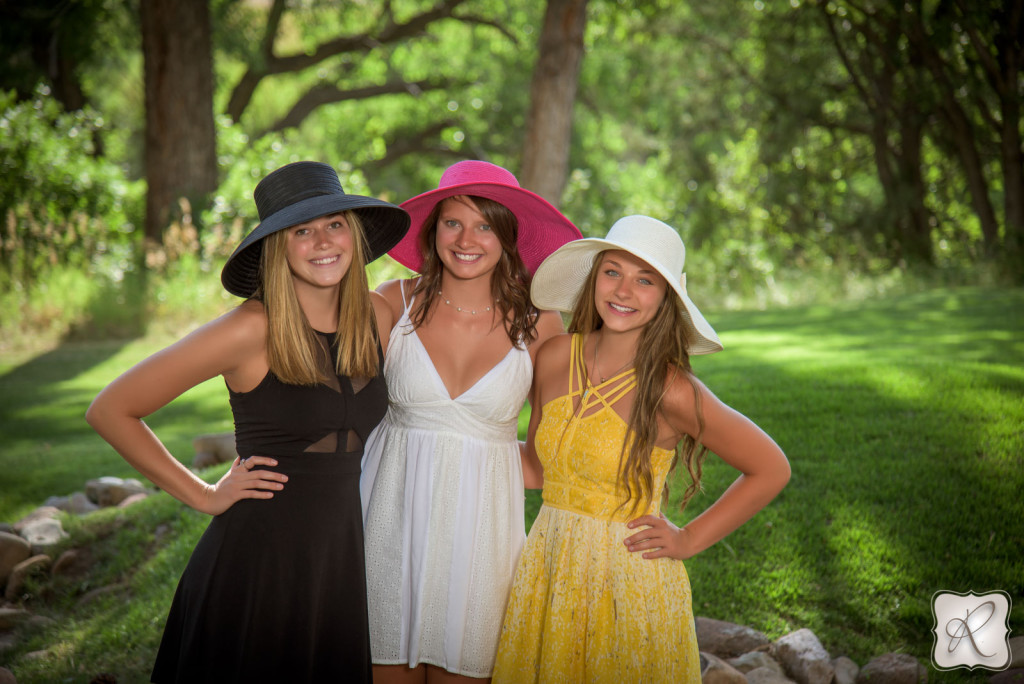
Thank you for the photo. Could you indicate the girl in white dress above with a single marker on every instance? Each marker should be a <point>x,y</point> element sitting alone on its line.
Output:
<point>443,475</point>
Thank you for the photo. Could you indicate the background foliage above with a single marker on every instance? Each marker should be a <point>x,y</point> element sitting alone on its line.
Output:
<point>777,137</point>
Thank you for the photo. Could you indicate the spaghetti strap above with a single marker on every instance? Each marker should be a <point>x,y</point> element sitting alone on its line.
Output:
<point>401,288</point>
<point>607,393</point>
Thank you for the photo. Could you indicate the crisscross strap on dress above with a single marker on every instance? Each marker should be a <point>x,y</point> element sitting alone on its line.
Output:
<point>608,392</point>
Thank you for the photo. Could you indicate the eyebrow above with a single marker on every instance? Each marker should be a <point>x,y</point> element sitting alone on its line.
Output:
<point>314,220</point>
<point>613,262</point>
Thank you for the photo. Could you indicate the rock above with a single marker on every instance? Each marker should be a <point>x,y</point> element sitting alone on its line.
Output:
<point>13,550</point>
<point>714,670</point>
<point>753,660</point>
<point>1016,652</point>
<point>727,640</point>
<point>110,491</point>
<point>100,592</point>
<point>12,617</point>
<point>58,502</point>
<point>804,658</point>
<point>42,534</point>
<point>767,675</point>
<point>7,527</point>
<point>893,668</point>
<point>44,512</point>
<point>71,562</point>
<point>6,676</point>
<point>80,504</point>
<point>1012,676</point>
<point>134,498</point>
<point>846,670</point>
<point>214,449</point>
<point>21,571</point>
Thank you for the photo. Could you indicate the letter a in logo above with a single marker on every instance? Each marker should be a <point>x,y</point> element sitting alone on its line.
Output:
<point>970,630</point>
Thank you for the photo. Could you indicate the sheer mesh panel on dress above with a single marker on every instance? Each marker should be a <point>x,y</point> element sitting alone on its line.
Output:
<point>329,443</point>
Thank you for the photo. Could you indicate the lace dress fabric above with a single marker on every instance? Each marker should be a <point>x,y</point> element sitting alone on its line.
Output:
<point>275,589</point>
<point>442,491</point>
<point>583,608</point>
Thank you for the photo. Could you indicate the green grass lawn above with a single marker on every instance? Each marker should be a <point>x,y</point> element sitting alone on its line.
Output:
<point>903,420</point>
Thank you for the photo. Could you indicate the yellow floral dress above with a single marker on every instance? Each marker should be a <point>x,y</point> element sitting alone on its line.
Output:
<point>583,608</point>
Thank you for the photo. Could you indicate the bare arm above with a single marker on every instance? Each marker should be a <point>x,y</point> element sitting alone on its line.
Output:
<point>391,291</point>
<point>764,471</point>
<point>384,318</point>
<point>231,346</point>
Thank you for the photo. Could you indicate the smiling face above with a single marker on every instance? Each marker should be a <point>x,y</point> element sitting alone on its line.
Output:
<point>627,292</point>
<point>465,242</point>
<point>319,252</point>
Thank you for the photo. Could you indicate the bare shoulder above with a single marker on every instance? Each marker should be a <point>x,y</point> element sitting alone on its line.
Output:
<point>551,368</point>
<point>549,325</point>
<point>244,327</point>
<point>384,318</point>
<point>553,352</point>
<point>391,291</point>
<point>679,403</point>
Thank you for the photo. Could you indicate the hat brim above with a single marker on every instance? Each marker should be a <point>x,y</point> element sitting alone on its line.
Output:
<point>560,278</point>
<point>542,228</point>
<point>384,226</point>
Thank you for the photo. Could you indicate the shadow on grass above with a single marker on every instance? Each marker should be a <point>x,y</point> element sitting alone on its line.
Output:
<point>41,407</point>
<point>907,468</point>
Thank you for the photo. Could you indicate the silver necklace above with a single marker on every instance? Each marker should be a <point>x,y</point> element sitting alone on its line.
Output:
<point>597,346</point>
<point>458,308</point>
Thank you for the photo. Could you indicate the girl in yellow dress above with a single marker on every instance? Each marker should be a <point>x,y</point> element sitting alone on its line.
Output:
<point>601,594</point>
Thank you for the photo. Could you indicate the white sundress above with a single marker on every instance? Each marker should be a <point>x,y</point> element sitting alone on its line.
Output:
<point>442,494</point>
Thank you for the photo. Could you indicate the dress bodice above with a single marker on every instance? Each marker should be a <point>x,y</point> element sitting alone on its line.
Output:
<point>276,418</point>
<point>419,399</point>
<point>581,450</point>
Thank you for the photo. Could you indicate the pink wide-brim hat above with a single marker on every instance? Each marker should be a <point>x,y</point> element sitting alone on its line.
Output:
<point>542,228</point>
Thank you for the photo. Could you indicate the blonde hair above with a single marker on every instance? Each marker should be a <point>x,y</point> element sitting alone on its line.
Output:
<point>294,353</point>
<point>662,349</point>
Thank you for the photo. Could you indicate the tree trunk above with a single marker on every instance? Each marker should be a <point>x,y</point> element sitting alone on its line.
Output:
<point>1010,56</point>
<point>180,142</point>
<point>545,164</point>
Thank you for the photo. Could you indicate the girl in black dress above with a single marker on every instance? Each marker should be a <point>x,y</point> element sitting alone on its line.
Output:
<point>275,588</point>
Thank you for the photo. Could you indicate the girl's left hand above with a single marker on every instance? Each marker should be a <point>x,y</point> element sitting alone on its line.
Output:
<point>660,539</point>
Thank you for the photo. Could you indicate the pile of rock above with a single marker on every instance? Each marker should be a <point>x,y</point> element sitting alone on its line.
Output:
<point>734,654</point>
<point>27,546</point>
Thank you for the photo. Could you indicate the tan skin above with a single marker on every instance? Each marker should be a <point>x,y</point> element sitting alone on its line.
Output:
<point>469,252</point>
<point>633,288</point>
<point>232,346</point>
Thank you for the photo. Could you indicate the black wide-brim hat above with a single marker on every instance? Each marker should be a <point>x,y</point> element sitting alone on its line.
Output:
<point>300,192</point>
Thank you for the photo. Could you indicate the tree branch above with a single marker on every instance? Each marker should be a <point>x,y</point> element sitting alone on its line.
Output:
<point>389,33</point>
<point>330,94</point>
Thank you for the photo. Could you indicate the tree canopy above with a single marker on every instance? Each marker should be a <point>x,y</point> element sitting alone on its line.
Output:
<point>864,134</point>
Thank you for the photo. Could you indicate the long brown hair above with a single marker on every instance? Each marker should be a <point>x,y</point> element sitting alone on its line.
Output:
<point>662,350</point>
<point>294,353</point>
<point>510,281</point>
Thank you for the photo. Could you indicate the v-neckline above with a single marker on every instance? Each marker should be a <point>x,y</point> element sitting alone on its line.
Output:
<point>440,380</point>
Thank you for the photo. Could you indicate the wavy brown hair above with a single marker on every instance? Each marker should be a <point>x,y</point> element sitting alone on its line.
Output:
<point>662,351</point>
<point>294,352</point>
<point>510,281</point>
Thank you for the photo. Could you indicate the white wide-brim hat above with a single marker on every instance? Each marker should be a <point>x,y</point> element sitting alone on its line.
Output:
<point>559,279</point>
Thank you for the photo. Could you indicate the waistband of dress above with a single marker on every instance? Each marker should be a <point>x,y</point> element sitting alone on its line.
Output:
<point>314,463</point>
<point>454,422</point>
<point>594,504</point>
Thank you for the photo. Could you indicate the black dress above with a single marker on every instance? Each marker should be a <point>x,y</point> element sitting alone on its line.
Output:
<point>275,590</point>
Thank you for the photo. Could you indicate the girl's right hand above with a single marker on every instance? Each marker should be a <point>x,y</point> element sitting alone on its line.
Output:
<point>243,481</point>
